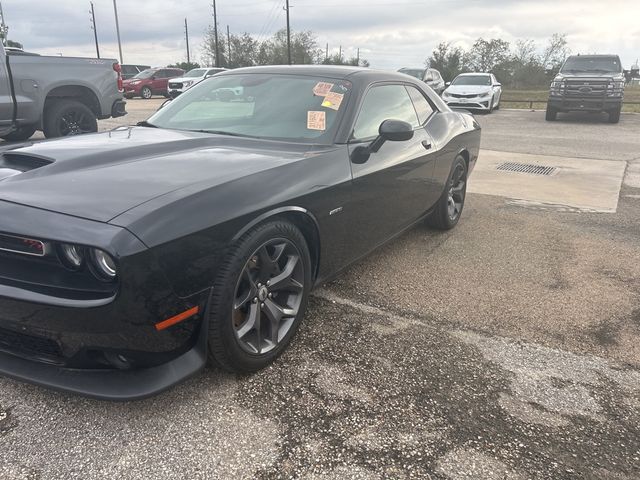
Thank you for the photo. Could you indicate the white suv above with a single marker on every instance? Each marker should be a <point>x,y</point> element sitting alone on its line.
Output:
<point>181,84</point>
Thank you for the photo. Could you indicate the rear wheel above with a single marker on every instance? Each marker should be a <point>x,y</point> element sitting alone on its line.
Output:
<point>449,208</point>
<point>259,297</point>
<point>64,118</point>
<point>21,133</point>
<point>551,114</point>
<point>146,93</point>
<point>614,115</point>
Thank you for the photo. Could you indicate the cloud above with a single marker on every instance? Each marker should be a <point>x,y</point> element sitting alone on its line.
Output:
<point>390,34</point>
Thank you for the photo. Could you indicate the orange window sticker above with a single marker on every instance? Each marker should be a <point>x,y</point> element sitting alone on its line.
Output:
<point>333,100</point>
<point>316,120</point>
<point>322,88</point>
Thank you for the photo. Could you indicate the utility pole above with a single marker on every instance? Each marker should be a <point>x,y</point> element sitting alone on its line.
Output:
<point>358,58</point>
<point>95,30</point>
<point>288,33</point>
<point>186,34</point>
<point>228,47</point>
<point>340,54</point>
<point>4,29</point>
<point>215,33</point>
<point>326,52</point>
<point>115,10</point>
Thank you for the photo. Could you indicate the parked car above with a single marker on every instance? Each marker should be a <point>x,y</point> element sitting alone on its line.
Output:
<point>474,91</point>
<point>130,71</point>
<point>176,86</point>
<point>152,81</point>
<point>200,233</point>
<point>588,83</point>
<point>58,95</point>
<point>430,76</point>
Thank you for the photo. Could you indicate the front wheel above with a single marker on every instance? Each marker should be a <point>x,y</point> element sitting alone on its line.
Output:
<point>614,115</point>
<point>64,118</point>
<point>20,134</point>
<point>447,211</point>
<point>551,114</point>
<point>146,93</point>
<point>259,297</point>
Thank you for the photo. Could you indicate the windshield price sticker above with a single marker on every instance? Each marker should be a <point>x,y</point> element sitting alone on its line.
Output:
<point>333,100</point>
<point>316,120</point>
<point>322,89</point>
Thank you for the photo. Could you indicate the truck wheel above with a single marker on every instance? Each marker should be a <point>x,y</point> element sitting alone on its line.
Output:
<point>68,117</point>
<point>146,93</point>
<point>551,114</point>
<point>614,115</point>
<point>21,133</point>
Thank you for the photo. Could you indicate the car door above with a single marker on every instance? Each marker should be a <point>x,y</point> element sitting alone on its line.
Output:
<point>392,188</point>
<point>6,97</point>
<point>159,82</point>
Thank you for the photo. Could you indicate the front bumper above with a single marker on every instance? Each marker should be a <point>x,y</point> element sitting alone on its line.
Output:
<point>58,332</point>
<point>586,103</point>
<point>478,103</point>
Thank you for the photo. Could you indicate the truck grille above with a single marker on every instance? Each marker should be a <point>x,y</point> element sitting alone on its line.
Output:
<point>586,88</point>
<point>30,346</point>
<point>175,85</point>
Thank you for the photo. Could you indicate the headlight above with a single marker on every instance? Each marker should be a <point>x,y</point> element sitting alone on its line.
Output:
<point>485,94</point>
<point>71,256</point>
<point>445,94</point>
<point>135,82</point>
<point>103,265</point>
<point>187,84</point>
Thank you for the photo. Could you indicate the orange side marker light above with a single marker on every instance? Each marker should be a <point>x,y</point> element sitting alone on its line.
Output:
<point>177,319</point>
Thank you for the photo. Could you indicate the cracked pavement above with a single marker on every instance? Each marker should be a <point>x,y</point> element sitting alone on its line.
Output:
<point>507,348</point>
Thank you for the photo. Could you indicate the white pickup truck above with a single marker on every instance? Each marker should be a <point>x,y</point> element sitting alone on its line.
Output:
<point>59,95</point>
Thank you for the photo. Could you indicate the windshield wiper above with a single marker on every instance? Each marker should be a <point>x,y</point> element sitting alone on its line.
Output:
<point>144,123</point>
<point>221,132</point>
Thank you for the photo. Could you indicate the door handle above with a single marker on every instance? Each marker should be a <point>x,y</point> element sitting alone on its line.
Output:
<point>426,144</point>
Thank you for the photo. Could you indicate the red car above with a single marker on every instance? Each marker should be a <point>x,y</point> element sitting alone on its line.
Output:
<point>150,81</point>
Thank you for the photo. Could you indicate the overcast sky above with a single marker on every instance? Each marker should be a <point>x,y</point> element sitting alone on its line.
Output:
<point>390,34</point>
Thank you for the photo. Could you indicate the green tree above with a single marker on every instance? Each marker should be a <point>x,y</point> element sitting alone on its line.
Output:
<point>11,43</point>
<point>186,66</point>
<point>448,60</point>
<point>304,49</point>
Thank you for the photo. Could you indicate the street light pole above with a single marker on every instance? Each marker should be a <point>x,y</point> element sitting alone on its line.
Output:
<point>95,30</point>
<point>288,34</point>
<point>186,33</point>
<point>215,33</point>
<point>115,10</point>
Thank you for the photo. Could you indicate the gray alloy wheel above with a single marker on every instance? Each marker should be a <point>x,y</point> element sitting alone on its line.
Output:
<point>268,296</point>
<point>146,93</point>
<point>63,118</point>
<point>457,192</point>
<point>446,213</point>
<point>259,297</point>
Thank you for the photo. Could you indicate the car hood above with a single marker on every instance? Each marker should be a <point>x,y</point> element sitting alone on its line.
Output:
<point>468,89</point>
<point>600,75</point>
<point>186,79</point>
<point>100,176</point>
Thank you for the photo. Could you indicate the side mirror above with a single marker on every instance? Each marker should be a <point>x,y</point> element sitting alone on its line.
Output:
<point>497,84</point>
<point>389,131</point>
<point>446,84</point>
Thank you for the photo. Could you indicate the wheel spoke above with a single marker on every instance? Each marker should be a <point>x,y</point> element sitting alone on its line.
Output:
<point>284,280</point>
<point>267,266</point>
<point>252,323</point>
<point>275,313</point>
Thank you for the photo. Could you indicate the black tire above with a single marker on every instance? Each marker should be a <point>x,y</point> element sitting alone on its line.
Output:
<point>67,117</point>
<point>442,217</point>
<point>20,134</point>
<point>551,114</point>
<point>232,307</point>
<point>498,105</point>
<point>491,105</point>
<point>146,93</point>
<point>614,115</point>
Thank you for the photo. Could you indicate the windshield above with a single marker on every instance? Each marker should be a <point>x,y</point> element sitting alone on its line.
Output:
<point>287,107</point>
<point>591,64</point>
<point>414,72</point>
<point>484,80</point>
<point>197,72</point>
<point>146,73</point>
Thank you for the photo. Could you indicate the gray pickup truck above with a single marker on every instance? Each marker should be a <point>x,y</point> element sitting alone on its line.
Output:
<point>58,95</point>
<point>588,83</point>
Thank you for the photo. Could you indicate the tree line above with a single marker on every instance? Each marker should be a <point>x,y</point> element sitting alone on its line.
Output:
<point>520,65</point>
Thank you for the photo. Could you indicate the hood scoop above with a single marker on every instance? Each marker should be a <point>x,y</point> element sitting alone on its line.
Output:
<point>13,163</point>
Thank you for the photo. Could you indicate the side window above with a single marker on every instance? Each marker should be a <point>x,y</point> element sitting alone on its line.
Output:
<point>382,103</point>
<point>422,105</point>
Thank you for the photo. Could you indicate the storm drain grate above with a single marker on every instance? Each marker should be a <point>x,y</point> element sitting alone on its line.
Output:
<point>526,168</point>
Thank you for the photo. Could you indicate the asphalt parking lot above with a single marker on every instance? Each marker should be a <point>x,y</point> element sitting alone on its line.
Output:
<point>508,348</point>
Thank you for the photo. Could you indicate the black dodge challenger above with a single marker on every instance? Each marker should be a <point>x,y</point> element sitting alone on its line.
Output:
<point>129,258</point>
